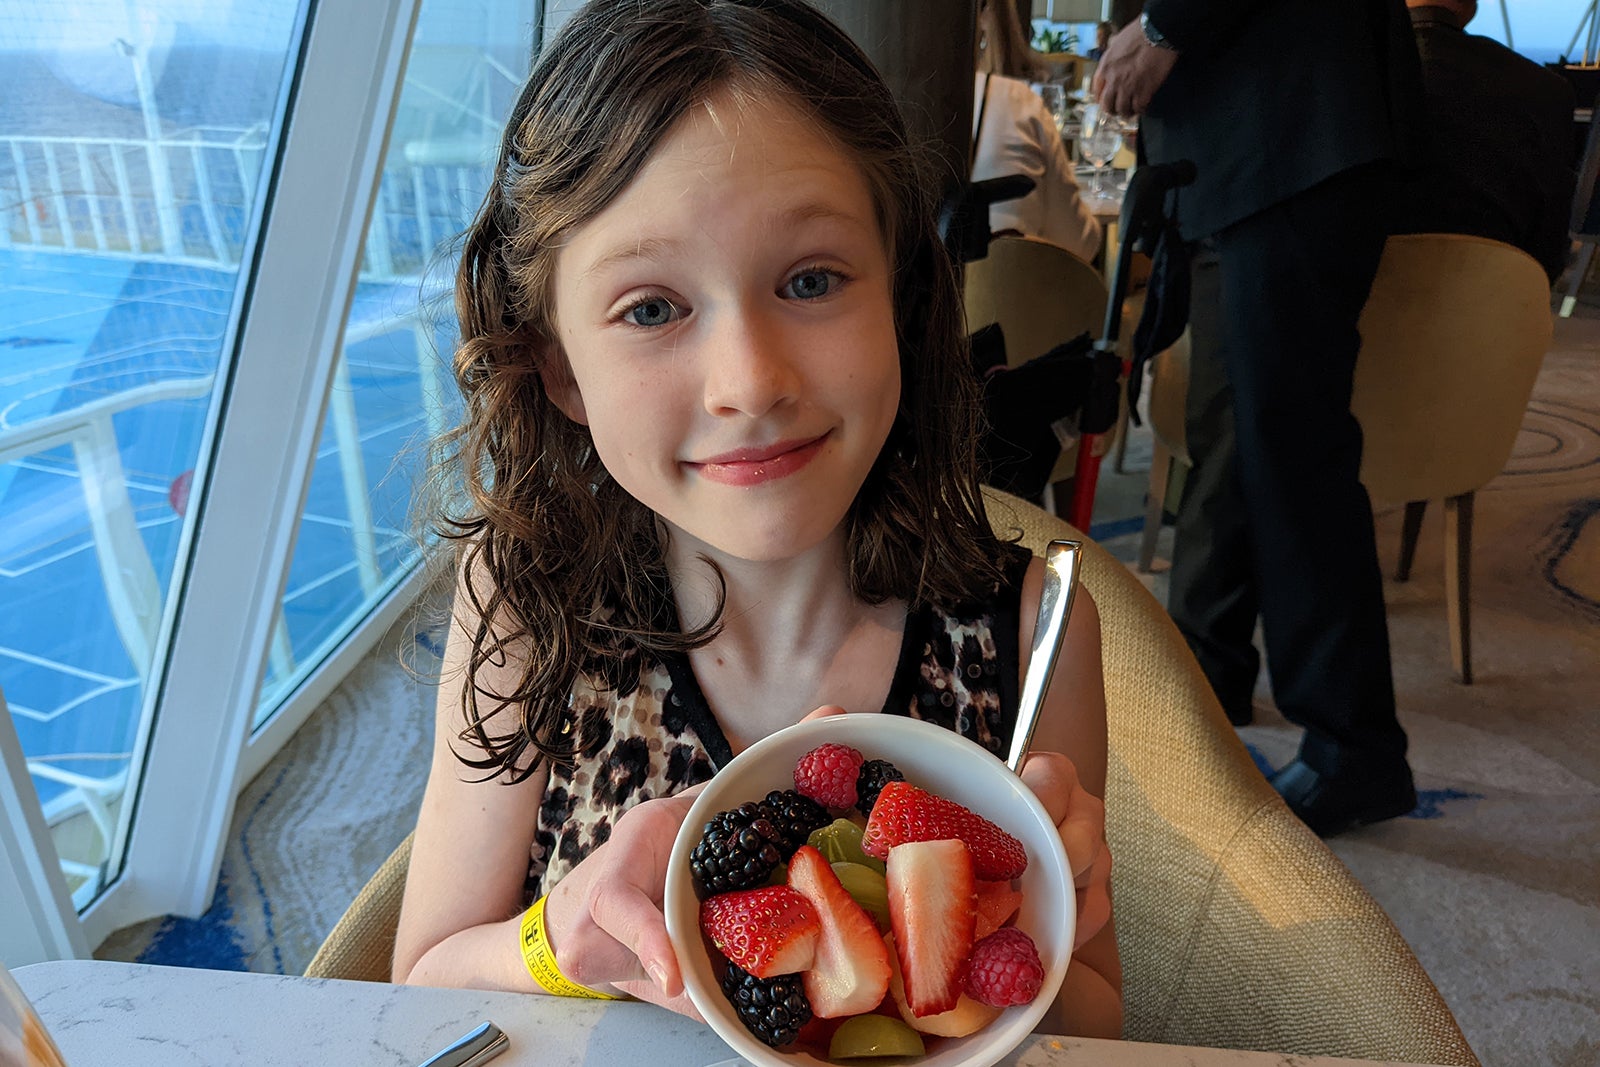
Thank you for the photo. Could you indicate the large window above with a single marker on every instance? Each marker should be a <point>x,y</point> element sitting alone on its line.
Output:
<point>132,147</point>
<point>390,396</point>
<point>223,341</point>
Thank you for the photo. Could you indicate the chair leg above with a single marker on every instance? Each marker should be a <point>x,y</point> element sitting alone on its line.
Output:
<point>1580,271</point>
<point>1408,538</point>
<point>1120,460</point>
<point>1155,503</point>
<point>1458,582</point>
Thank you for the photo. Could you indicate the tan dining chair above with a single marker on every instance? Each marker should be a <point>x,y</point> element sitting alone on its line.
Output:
<point>1452,338</point>
<point>1041,295</point>
<point>1237,927</point>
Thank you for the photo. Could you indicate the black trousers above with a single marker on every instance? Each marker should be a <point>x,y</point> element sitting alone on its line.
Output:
<point>1274,521</point>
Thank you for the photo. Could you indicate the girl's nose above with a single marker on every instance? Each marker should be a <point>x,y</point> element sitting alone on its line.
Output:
<point>750,366</point>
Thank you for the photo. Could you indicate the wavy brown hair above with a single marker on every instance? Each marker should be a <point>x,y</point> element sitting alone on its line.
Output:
<point>566,570</point>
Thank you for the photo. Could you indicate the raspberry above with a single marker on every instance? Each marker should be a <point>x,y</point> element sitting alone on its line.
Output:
<point>827,774</point>
<point>1004,969</point>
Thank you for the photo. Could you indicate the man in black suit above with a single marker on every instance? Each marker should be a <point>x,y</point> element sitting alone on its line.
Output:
<point>1498,162</point>
<point>1295,114</point>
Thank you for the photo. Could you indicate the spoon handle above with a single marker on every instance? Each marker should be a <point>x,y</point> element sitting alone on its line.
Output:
<point>1061,564</point>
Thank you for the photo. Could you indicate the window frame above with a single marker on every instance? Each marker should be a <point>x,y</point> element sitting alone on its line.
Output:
<point>341,93</point>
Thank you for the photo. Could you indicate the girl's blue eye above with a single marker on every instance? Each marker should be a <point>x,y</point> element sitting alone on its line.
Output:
<point>811,284</point>
<point>655,311</point>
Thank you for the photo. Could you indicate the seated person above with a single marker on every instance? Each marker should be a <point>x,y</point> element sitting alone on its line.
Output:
<point>1499,162</point>
<point>1102,37</point>
<point>1014,133</point>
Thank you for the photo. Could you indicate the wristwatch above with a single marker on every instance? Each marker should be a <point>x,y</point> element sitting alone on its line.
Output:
<point>1153,35</point>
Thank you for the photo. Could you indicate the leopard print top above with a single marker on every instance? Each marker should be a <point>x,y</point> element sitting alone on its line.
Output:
<point>957,668</point>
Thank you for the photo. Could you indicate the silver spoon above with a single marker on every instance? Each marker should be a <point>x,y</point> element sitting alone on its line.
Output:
<point>1061,560</point>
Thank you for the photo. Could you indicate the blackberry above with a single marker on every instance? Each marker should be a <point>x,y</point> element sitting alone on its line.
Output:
<point>875,774</point>
<point>738,850</point>
<point>774,1009</point>
<point>794,815</point>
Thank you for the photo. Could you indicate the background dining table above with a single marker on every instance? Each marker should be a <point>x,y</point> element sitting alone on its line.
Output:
<point>135,1015</point>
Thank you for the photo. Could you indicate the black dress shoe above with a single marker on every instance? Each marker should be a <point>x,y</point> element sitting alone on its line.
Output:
<point>1331,804</point>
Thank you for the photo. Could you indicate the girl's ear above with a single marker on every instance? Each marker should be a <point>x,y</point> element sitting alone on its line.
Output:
<point>560,386</point>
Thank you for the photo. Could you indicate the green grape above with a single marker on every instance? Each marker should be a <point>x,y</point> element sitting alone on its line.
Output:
<point>840,842</point>
<point>867,888</point>
<point>874,1035</point>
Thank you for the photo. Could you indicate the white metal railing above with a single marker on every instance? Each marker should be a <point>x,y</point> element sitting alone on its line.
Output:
<point>183,199</point>
<point>189,199</point>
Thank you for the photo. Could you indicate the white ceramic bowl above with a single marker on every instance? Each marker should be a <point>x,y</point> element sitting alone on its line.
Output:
<point>935,759</point>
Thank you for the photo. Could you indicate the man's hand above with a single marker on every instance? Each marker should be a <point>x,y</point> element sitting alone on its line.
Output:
<point>1131,71</point>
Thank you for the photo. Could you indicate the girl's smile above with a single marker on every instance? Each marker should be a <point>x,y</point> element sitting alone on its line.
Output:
<point>728,330</point>
<point>752,466</point>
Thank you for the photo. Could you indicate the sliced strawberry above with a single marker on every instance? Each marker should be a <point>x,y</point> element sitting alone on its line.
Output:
<point>933,910</point>
<point>850,973</point>
<point>967,1017</point>
<point>768,931</point>
<point>905,813</point>
<point>997,902</point>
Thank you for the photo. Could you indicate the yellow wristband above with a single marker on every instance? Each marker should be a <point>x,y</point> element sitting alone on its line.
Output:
<point>541,959</point>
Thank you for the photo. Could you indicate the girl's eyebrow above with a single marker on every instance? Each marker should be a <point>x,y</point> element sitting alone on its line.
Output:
<point>655,249</point>
<point>659,249</point>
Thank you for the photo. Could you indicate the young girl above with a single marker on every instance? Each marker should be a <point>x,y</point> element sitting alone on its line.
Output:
<point>719,468</point>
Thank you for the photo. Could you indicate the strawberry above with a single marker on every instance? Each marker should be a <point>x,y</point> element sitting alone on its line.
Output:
<point>850,973</point>
<point>997,902</point>
<point>827,774</point>
<point>905,813</point>
<point>967,1017</point>
<point>767,931</point>
<point>933,910</point>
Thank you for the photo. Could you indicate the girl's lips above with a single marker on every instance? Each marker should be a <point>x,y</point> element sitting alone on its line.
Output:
<point>753,466</point>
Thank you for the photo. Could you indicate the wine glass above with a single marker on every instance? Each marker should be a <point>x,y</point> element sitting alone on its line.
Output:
<point>23,1038</point>
<point>1098,143</point>
<point>1054,97</point>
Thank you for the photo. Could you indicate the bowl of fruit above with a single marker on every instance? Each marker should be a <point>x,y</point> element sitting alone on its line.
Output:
<point>869,888</point>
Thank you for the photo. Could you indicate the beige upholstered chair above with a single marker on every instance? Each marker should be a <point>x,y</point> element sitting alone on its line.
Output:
<point>1041,295</point>
<point>1169,388</point>
<point>360,948</point>
<point>1238,927</point>
<point>1452,338</point>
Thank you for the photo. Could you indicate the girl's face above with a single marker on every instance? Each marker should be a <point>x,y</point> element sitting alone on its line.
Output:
<point>729,328</point>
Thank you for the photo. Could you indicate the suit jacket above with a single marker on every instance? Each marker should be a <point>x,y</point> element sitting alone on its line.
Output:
<point>1268,99</point>
<point>1499,157</point>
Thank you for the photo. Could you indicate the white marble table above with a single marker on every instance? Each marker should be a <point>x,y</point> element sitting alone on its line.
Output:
<point>132,1015</point>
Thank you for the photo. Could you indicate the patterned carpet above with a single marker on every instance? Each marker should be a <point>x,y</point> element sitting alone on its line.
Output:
<point>1495,879</point>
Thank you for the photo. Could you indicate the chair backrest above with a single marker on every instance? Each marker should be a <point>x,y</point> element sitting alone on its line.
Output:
<point>1451,340</point>
<point>1169,391</point>
<point>1040,294</point>
<point>1238,928</point>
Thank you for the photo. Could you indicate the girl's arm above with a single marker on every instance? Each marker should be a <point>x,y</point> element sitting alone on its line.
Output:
<point>459,916</point>
<point>460,920</point>
<point>1067,771</point>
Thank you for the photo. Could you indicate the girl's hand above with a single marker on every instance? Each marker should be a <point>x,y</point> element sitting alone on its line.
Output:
<point>605,918</point>
<point>1080,819</point>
